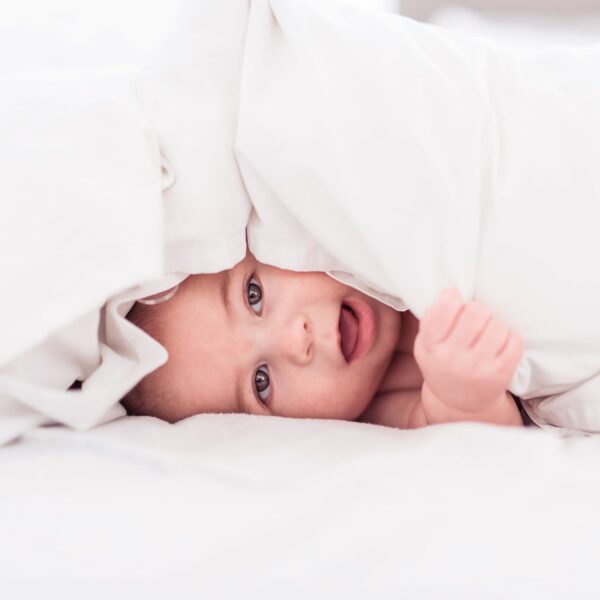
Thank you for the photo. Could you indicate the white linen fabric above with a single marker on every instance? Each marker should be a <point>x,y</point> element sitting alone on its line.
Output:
<point>522,34</point>
<point>234,506</point>
<point>190,94</point>
<point>110,178</point>
<point>415,158</point>
<point>80,220</point>
<point>78,165</point>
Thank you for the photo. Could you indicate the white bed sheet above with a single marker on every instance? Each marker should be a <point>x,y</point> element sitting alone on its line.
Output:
<point>225,506</point>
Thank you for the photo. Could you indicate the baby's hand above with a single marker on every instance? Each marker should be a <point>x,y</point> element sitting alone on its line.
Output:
<point>467,357</point>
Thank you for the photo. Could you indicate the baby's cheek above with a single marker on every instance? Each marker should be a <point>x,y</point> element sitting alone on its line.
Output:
<point>348,397</point>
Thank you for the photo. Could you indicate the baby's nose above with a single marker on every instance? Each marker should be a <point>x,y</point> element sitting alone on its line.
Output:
<point>295,340</point>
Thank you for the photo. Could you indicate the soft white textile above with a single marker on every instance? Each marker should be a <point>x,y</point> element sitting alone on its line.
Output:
<point>78,164</point>
<point>111,177</point>
<point>415,158</point>
<point>233,506</point>
<point>190,94</point>
<point>523,34</point>
<point>80,220</point>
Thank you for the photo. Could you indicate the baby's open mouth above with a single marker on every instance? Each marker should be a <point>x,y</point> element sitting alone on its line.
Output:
<point>358,326</point>
<point>349,327</point>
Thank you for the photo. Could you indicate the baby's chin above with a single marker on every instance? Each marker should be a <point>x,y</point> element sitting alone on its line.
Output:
<point>362,394</point>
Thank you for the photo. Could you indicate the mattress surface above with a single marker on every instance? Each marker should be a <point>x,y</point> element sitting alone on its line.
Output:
<point>229,506</point>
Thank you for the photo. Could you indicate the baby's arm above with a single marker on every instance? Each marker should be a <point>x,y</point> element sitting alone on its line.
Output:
<point>467,357</point>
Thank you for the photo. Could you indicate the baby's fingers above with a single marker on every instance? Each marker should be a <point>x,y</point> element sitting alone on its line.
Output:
<point>472,321</point>
<point>439,318</point>
<point>511,354</point>
<point>493,339</point>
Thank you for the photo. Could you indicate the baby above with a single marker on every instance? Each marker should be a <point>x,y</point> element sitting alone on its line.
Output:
<point>261,340</point>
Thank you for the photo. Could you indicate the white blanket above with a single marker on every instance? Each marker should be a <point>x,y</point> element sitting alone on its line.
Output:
<point>414,158</point>
<point>111,177</point>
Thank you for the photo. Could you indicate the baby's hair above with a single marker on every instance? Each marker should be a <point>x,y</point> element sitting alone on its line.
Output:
<point>146,319</point>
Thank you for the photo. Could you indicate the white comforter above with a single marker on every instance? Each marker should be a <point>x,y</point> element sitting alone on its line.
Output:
<point>413,159</point>
<point>399,157</point>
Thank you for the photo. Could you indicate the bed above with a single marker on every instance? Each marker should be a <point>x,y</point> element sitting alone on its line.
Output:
<point>224,506</point>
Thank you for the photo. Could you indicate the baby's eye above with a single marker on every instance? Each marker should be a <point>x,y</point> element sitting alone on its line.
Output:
<point>254,295</point>
<point>262,383</point>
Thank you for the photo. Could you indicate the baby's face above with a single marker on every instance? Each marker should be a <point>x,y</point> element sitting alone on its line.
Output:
<point>261,340</point>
